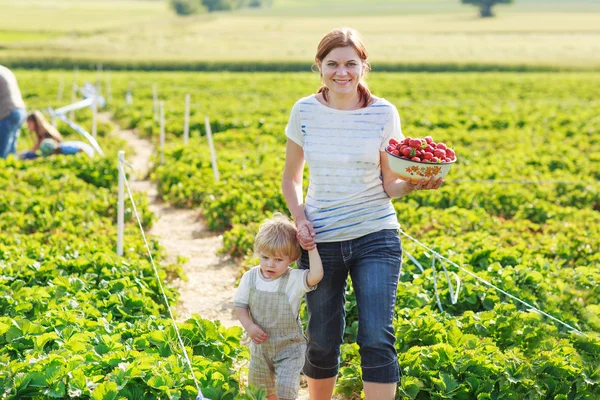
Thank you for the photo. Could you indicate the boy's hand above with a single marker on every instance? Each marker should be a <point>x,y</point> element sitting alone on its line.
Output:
<point>256,334</point>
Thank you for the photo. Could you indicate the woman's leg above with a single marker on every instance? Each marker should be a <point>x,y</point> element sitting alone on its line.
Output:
<point>321,389</point>
<point>9,129</point>
<point>326,321</point>
<point>375,269</point>
<point>376,391</point>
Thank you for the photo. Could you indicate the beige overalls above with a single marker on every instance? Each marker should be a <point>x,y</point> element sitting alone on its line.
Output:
<point>276,363</point>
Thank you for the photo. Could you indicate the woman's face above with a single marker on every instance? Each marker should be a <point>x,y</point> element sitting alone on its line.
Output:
<point>341,70</point>
<point>31,125</point>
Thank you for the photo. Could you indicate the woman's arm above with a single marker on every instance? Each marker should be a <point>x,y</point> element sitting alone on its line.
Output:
<point>395,187</point>
<point>291,187</point>
<point>291,182</point>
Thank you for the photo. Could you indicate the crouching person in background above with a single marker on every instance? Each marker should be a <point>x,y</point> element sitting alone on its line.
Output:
<point>51,146</point>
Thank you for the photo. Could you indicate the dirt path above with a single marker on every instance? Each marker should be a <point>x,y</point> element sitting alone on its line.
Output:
<point>182,232</point>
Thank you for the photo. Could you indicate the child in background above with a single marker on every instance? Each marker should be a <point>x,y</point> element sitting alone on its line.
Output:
<point>267,304</point>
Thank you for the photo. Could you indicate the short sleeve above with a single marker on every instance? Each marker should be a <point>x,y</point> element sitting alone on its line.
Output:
<point>242,294</point>
<point>392,128</point>
<point>293,130</point>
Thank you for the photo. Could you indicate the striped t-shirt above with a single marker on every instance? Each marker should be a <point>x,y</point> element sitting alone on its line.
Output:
<point>345,198</point>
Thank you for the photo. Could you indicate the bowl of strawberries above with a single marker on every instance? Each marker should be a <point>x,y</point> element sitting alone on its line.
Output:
<point>413,159</point>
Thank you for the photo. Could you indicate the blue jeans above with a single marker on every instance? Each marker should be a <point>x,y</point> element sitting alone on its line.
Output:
<point>373,262</point>
<point>9,128</point>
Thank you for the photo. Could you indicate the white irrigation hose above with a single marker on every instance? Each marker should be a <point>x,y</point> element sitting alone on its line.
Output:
<point>487,283</point>
<point>187,359</point>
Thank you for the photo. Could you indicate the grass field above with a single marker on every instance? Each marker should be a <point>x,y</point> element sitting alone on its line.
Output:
<point>431,31</point>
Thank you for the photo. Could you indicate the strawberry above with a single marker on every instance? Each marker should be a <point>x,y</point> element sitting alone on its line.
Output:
<point>441,146</point>
<point>415,143</point>
<point>439,153</point>
<point>393,142</point>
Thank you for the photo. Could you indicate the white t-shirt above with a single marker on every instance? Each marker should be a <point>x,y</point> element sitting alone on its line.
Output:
<point>295,289</point>
<point>345,198</point>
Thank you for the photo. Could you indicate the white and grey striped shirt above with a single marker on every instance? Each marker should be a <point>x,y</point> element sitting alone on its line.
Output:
<point>345,198</point>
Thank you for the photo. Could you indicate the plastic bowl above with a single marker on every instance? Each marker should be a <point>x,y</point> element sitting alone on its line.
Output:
<point>414,171</point>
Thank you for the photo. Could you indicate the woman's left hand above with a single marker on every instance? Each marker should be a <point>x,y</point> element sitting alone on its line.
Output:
<point>429,184</point>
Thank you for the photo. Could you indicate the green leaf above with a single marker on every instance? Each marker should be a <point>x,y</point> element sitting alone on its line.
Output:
<point>105,391</point>
<point>411,386</point>
<point>43,339</point>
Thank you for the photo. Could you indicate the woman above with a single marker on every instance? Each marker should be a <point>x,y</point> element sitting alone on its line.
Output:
<point>41,129</point>
<point>341,133</point>
<point>50,146</point>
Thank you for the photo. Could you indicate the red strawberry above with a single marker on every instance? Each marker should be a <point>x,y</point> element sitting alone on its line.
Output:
<point>393,142</point>
<point>441,146</point>
<point>439,153</point>
<point>416,159</point>
<point>428,139</point>
<point>415,143</point>
<point>427,155</point>
<point>395,152</point>
<point>450,154</point>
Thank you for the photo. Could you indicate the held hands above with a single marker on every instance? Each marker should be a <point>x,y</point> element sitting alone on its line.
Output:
<point>256,334</point>
<point>306,235</point>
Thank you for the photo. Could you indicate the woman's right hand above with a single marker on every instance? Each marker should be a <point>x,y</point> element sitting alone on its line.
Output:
<point>306,234</point>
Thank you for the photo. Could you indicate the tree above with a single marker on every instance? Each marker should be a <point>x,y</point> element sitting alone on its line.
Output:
<point>485,6</point>
<point>187,7</point>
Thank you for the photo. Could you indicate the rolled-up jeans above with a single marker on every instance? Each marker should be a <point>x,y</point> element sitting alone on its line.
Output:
<point>9,129</point>
<point>373,262</point>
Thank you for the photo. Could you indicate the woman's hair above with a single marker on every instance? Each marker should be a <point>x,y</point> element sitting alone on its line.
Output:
<point>277,237</point>
<point>345,37</point>
<point>43,128</point>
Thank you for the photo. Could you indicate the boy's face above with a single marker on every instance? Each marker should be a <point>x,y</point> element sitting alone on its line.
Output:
<point>273,266</point>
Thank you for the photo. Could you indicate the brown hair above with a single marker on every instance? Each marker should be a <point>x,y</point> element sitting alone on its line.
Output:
<point>345,37</point>
<point>277,237</point>
<point>43,128</point>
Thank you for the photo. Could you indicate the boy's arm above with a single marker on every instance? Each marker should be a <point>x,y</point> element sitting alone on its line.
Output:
<point>255,332</point>
<point>315,272</point>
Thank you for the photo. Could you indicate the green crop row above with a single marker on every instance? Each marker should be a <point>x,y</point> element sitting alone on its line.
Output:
<point>520,209</point>
<point>77,321</point>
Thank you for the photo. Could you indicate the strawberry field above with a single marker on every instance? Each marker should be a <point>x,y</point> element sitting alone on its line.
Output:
<point>520,209</point>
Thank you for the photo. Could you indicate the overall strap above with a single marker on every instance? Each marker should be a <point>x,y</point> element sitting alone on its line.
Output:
<point>283,281</point>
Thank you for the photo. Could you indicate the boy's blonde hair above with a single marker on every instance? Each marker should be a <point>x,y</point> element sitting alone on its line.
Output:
<point>277,237</point>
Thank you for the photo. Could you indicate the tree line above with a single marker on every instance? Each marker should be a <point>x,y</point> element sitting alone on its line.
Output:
<point>190,7</point>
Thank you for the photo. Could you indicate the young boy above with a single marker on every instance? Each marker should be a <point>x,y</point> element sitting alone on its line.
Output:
<point>267,304</point>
